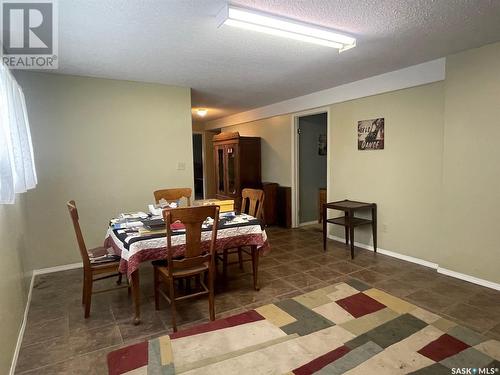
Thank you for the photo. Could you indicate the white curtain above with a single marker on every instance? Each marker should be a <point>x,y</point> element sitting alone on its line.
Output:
<point>17,165</point>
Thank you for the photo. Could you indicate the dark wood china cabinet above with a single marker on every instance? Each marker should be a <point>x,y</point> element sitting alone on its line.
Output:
<point>237,165</point>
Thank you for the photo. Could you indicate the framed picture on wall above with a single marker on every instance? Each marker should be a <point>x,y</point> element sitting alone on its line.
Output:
<point>371,134</point>
<point>322,144</point>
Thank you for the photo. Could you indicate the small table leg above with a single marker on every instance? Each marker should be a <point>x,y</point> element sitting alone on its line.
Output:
<point>346,214</point>
<point>255,267</point>
<point>351,232</point>
<point>324,226</point>
<point>351,235</point>
<point>136,294</point>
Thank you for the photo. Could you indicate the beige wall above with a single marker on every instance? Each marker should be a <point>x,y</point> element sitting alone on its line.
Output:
<point>107,144</point>
<point>12,286</point>
<point>471,180</point>
<point>437,183</point>
<point>404,179</point>
<point>275,134</point>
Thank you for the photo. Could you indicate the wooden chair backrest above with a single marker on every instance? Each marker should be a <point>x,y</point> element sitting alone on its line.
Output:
<point>252,202</point>
<point>73,212</point>
<point>171,195</point>
<point>192,218</point>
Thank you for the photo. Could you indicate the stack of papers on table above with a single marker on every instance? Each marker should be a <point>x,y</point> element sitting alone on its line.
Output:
<point>144,231</point>
<point>127,224</point>
<point>153,224</point>
<point>155,211</point>
<point>239,219</point>
<point>133,215</point>
<point>129,220</point>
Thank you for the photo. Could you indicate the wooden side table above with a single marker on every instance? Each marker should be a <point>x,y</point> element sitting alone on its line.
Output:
<point>349,221</point>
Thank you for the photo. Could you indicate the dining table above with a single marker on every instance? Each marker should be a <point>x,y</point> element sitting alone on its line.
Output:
<point>136,244</point>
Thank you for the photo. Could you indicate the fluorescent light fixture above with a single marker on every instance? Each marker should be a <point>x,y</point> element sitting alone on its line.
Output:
<point>201,112</point>
<point>279,26</point>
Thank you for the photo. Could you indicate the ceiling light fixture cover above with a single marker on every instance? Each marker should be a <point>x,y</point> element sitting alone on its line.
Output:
<point>201,112</point>
<point>250,19</point>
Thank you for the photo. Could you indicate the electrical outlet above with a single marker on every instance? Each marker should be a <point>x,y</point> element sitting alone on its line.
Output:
<point>181,166</point>
<point>384,228</point>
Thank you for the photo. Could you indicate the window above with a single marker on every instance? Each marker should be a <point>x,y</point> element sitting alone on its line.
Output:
<point>17,166</point>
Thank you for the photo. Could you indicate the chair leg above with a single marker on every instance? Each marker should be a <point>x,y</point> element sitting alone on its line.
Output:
<point>88,294</point>
<point>84,288</point>
<point>119,281</point>
<point>211,300</point>
<point>240,258</point>
<point>172,303</point>
<point>156,286</point>
<point>255,267</point>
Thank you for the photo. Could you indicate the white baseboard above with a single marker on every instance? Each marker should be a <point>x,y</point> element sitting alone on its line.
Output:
<point>308,223</point>
<point>28,303</point>
<point>444,271</point>
<point>23,327</point>
<point>64,267</point>
<point>393,254</point>
<point>471,279</point>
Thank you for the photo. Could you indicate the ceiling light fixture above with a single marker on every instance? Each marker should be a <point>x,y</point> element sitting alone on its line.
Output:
<point>279,26</point>
<point>201,112</point>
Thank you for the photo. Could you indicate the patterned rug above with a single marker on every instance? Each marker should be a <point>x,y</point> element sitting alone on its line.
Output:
<point>343,328</point>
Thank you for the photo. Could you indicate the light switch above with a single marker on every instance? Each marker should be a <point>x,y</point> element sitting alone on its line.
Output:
<point>181,166</point>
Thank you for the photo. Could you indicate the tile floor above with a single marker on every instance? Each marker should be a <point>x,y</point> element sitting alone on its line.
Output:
<point>58,340</point>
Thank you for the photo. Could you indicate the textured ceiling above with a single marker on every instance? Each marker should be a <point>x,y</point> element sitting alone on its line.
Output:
<point>177,42</point>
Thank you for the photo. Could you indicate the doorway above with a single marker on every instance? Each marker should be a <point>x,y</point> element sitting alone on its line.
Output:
<point>199,189</point>
<point>312,165</point>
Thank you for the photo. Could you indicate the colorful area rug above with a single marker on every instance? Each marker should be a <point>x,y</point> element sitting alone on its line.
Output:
<point>344,328</point>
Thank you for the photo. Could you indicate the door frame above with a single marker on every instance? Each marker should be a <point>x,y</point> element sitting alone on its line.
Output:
<point>295,160</point>
<point>203,160</point>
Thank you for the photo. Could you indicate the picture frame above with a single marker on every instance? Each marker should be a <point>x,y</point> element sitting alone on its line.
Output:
<point>371,134</point>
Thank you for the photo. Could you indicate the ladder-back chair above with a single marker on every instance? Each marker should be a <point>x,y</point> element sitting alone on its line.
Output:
<point>198,260</point>
<point>96,261</point>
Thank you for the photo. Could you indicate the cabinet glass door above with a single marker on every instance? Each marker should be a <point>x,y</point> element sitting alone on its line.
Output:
<point>220,170</point>
<point>231,169</point>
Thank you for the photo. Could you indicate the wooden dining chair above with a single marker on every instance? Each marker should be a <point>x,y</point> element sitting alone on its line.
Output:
<point>198,260</point>
<point>252,203</point>
<point>171,195</point>
<point>96,262</point>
